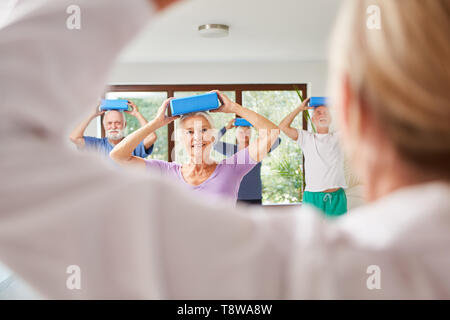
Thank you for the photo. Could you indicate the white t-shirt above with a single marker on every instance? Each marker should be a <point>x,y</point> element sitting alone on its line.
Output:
<point>324,161</point>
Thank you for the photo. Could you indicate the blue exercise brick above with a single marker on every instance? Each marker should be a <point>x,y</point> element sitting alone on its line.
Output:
<point>241,122</point>
<point>318,101</point>
<point>117,104</point>
<point>201,102</point>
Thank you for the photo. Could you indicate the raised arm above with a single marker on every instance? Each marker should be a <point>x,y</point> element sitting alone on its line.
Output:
<point>285,124</point>
<point>45,215</point>
<point>268,131</point>
<point>77,135</point>
<point>151,138</point>
<point>123,151</point>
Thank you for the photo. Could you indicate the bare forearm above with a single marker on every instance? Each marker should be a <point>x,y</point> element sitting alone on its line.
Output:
<point>151,138</point>
<point>124,150</point>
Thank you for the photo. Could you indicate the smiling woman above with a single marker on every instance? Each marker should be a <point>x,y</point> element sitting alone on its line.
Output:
<point>198,134</point>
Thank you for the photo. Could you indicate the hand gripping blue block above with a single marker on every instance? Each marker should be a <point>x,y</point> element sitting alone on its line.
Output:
<point>318,101</point>
<point>241,122</point>
<point>202,102</point>
<point>119,105</point>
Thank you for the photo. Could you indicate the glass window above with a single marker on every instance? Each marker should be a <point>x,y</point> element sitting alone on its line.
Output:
<point>220,120</point>
<point>148,104</point>
<point>281,171</point>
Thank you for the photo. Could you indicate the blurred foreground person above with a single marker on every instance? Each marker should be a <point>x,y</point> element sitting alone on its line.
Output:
<point>324,161</point>
<point>390,90</point>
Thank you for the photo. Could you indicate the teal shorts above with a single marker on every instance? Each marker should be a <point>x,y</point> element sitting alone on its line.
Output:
<point>331,203</point>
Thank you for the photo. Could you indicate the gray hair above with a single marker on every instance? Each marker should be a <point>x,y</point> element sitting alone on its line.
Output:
<point>203,114</point>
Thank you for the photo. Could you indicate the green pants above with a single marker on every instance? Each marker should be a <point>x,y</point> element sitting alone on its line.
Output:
<point>331,203</point>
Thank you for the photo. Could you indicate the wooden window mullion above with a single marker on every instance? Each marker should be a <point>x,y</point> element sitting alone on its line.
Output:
<point>170,130</point>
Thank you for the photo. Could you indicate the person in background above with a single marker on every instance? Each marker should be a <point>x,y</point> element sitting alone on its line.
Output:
<point>142,237</point>
<point>324,161</point>
<point>115,125</point>
<point>250,190</point>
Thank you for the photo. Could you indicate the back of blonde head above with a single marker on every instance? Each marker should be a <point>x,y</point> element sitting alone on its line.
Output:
<point>400,75</point>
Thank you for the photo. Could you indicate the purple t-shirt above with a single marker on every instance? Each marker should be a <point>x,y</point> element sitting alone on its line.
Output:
<point>224,181</point>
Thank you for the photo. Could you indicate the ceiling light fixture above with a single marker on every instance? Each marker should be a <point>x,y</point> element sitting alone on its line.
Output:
<point>213,30</point>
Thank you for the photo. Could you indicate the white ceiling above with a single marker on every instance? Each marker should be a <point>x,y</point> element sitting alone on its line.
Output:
<point>260,30</point>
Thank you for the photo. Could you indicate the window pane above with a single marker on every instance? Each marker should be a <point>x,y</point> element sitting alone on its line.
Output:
<point>220,120</point>
<point>281,171</point>
<point>148,104</point>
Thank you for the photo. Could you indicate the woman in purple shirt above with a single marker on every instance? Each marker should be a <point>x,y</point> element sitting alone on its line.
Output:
<point>201,173</point>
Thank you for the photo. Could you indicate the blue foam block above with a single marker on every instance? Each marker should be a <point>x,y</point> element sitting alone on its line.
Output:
<point>241,122</point>
<point>318,101</point>
<point>201,102</point>
<point>116,104</point>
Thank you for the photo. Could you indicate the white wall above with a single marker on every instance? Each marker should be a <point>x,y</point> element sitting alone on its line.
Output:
<point>313,73</point>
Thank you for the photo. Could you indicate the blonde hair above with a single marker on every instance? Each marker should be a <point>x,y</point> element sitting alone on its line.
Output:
<point>399,75</point>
